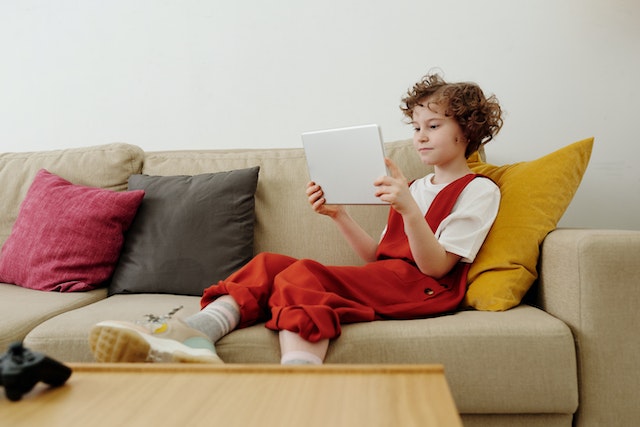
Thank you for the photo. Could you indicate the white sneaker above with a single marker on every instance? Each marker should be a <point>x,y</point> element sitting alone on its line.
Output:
<point>159,339</point>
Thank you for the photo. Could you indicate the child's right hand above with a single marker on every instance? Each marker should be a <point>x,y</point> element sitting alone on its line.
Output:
<point>318,202</point>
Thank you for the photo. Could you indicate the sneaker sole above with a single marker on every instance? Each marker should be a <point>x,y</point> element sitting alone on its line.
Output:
<point>112,342</point>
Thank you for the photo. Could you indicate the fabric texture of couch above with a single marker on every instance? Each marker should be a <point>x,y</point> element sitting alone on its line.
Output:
<point>565,355</point>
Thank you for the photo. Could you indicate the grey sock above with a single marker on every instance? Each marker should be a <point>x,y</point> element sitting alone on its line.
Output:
<point>215,320</point>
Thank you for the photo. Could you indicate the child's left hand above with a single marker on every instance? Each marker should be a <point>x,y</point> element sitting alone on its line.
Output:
<point>394,189</point>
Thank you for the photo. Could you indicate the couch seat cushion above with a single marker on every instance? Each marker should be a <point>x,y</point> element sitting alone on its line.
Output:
<point>518,361</point>
<point>22,309</point>
<point>65,337</point>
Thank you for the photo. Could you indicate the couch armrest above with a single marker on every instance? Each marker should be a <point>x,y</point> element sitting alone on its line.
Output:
<point>590,279</point>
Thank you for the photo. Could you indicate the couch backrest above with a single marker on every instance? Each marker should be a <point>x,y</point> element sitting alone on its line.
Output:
<point>106,166</point>
<point>285,223</point>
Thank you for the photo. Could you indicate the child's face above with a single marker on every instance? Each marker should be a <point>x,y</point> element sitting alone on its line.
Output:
<point>438,139</point>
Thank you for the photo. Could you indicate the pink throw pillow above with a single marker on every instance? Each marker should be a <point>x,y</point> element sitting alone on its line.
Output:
<point>67,237</point>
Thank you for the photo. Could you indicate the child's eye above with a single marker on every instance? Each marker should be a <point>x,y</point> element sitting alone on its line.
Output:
<point>434,126</point>
<point>416,129</point>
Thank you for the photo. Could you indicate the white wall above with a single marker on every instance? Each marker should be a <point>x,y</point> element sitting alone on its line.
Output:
<point>255,73</point>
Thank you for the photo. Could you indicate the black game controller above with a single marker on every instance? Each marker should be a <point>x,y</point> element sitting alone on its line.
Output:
<point>21,369</point>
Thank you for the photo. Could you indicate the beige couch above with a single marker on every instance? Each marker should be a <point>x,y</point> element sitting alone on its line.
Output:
<point>568,355</point>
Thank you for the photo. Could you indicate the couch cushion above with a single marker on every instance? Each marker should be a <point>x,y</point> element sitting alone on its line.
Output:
<point>190,232</point>
<point>67,237</point>
<point>517,361</point>
<point>282,210</point>
<point>22,309</point>
<point>106,166</point>
<point>535,195</point>
<point>65,337</point>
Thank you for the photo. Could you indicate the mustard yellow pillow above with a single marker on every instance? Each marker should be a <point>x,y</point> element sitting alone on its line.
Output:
<point>535,195</point>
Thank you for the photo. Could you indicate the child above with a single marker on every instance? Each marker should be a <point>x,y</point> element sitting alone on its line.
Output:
<point>419,267</point>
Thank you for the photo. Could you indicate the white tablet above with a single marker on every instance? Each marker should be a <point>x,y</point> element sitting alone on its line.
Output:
<point>345,162</point>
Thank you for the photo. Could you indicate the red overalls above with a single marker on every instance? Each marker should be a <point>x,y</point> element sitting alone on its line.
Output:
<point>311,299</point>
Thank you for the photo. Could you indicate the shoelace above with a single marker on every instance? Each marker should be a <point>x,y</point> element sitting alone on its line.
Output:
<point>152,320</point>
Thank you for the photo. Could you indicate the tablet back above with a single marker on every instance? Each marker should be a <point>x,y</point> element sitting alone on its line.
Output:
<point>345,162</point>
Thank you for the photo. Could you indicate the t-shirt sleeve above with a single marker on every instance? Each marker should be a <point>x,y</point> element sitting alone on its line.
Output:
<point>465,229</point>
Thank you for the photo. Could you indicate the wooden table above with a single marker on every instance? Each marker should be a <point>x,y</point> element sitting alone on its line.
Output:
<point>239,395</point>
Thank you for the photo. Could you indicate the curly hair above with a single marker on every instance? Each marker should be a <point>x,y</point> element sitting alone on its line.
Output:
<point>479,117</point>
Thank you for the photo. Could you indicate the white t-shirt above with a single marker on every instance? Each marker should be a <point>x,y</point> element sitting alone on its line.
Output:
<point>463,231</point>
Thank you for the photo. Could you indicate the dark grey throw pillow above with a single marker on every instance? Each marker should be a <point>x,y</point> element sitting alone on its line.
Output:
<point>189,232</point>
